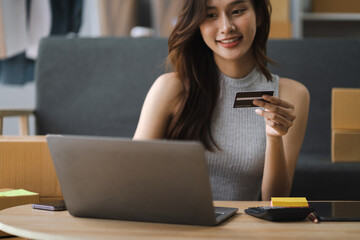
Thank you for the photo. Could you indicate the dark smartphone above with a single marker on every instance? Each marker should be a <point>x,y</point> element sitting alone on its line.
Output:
<point>50,206</point>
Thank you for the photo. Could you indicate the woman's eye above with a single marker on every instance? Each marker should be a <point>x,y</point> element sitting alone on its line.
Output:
<point>238,11</point>
<point>210,15</point>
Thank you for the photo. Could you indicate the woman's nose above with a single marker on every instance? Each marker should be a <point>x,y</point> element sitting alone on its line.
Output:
<point>226,25</point>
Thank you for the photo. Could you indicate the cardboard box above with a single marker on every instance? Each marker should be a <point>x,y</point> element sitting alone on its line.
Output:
<point>6,202</point>
<point>280,10</point>
<point>345,146</point>
<point>280,29</point>
<point>25,162</point>
<point>345,108</point>
<point>336,6</point>
<point>280,19</point>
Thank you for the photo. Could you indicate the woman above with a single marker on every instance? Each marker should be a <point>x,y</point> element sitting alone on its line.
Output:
<point>218,48</point>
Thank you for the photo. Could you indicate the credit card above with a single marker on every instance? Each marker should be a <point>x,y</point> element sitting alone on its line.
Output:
<point>245,99</point>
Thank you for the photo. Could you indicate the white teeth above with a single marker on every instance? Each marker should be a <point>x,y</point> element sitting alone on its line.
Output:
<point>230,40</point>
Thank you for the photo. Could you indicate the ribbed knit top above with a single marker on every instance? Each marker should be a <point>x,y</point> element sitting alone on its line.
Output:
<point>236,170</point>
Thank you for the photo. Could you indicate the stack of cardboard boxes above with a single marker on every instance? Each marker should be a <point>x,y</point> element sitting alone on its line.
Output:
<point>345,124</point>
<point>280,19</point>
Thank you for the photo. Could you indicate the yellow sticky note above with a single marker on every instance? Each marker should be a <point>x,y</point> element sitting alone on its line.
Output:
<point>289,202</point>
<point>18,192</point>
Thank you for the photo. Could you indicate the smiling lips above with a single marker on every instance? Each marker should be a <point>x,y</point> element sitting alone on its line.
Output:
<point>230,42</point>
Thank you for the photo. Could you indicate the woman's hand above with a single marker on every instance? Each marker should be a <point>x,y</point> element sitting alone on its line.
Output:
<point>279,115</point>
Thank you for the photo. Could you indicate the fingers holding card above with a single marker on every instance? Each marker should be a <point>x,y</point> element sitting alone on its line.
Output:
<point>279,115</point>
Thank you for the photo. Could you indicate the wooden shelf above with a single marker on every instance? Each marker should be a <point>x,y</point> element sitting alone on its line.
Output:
<point>331,16</point>
<point>323,24</point>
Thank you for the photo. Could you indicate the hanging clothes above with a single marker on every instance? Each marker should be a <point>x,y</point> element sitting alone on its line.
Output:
<point>17,70</point>
<point>90,24</point>
<point>14,67</point>
<point>164,15</point>
<point>66,16</point>
<point>22,24</point>
<point>117,17</point>
<point>39,23</point>
<point>13,35</point>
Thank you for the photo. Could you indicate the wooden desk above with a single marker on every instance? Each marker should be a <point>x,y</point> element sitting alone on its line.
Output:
<point>26,222</point>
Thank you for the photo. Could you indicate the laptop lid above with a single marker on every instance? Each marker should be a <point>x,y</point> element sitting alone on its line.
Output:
<point>117,178</point>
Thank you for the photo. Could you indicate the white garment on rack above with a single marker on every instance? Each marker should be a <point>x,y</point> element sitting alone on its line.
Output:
<point>17,34</point>
<point>90,25</point>
<point>13,37</point>
<point>39,25</point>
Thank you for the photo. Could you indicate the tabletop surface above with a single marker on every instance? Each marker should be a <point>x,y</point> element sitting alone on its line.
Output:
<point>26,222</point>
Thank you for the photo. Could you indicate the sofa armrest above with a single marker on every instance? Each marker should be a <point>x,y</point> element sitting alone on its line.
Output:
<point>23,115</point>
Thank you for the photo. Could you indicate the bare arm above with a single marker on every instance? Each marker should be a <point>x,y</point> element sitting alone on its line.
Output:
<point>286,119</point>
<point>159,105</point>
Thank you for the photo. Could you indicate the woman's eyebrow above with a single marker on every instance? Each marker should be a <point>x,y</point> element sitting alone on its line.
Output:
<point>238,2</point>
<point>231,4</point>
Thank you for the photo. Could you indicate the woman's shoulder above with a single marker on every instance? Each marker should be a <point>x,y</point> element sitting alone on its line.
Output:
<point>290,88</point>
<point>160,104</point>
<point>165,92</point>
<point>168,82</point>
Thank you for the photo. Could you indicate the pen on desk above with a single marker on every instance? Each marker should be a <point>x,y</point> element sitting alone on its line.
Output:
<point>313,218</point>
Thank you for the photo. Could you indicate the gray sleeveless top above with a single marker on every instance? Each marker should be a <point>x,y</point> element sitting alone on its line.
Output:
<point>236,170</point>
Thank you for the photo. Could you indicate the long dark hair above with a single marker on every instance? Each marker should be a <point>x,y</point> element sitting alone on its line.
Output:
<point>194,65</point>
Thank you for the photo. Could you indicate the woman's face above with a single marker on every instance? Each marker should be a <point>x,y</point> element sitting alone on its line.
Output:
<point>229,28</point>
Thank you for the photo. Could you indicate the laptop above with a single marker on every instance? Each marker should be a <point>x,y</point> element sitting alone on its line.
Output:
<point>152,181</point>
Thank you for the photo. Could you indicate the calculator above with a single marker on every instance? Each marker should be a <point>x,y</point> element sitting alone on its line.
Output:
<point>280,214</point>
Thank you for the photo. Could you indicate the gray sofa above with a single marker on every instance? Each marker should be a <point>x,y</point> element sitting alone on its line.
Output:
<point>321,64</point>
<point>97,87</point>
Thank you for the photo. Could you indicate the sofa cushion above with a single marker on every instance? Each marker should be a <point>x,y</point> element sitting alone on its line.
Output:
<point>95,86</point>
<point>317,178</point>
